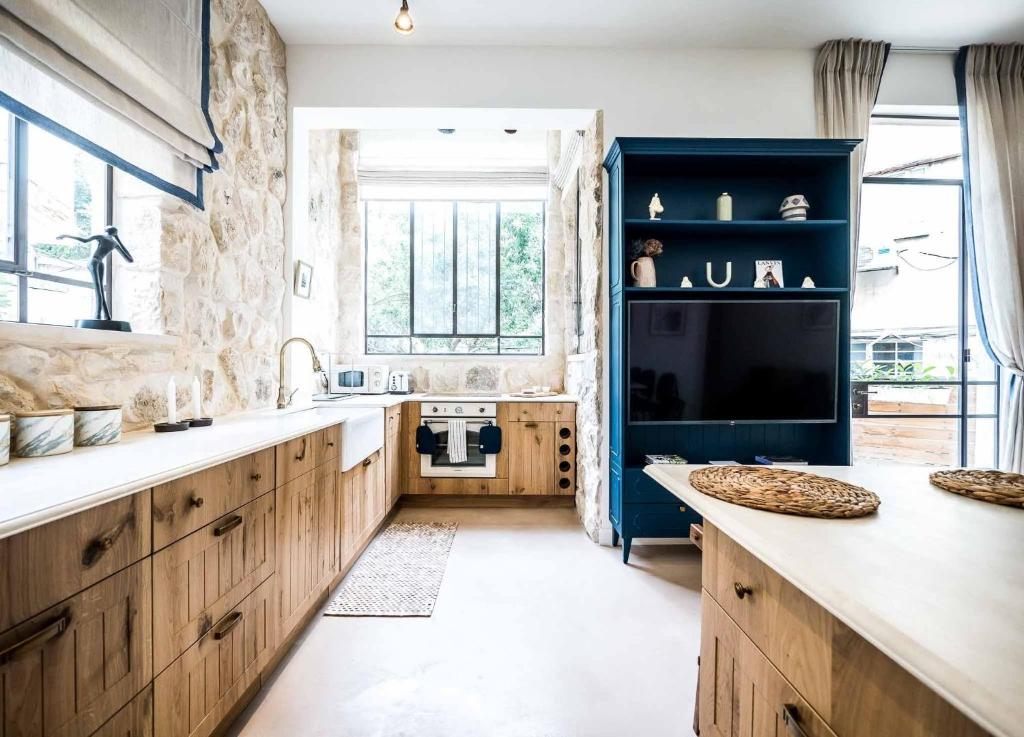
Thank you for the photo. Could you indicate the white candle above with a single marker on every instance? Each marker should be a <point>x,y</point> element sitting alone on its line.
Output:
<point>197,407</point>
<point>172,402</point>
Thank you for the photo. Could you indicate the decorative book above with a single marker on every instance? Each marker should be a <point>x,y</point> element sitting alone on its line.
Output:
<point>671,459</point>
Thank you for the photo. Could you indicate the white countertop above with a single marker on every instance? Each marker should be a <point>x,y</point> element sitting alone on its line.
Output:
<point>391,400</point>
<point>934,580</point>
<point>34,491</point>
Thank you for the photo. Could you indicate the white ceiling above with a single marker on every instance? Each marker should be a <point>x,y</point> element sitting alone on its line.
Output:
<point>650,23</point>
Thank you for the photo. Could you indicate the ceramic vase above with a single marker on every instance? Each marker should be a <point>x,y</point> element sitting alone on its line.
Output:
<point>723,207</point>
<point>794,207</point>
<point>47,433</point>
<point>5,439</point>
<point>643,272</point>
<point>97,425</point>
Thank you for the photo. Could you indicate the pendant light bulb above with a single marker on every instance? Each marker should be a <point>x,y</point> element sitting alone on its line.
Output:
<point>403,21</point>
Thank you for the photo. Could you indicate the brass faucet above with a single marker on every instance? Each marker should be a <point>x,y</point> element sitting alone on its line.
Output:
<point>283,397</point>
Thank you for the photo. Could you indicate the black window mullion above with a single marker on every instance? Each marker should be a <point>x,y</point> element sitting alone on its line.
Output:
<point>412,272</point>
<point>497,273</point>
<point>455,269</point>
<point>21,214</point>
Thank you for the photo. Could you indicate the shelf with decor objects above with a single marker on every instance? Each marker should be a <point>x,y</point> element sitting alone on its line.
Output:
<point>719,261</point>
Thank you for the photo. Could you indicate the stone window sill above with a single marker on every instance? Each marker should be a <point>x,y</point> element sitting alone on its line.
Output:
<point>60,336</point>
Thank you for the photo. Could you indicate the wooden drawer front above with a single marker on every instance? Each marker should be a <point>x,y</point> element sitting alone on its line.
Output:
<point>541,411</point>
<point>184,505</point>
<point>200,688</point>
<point>741,693</point>
<point>47,564</point>
<point>793,631</point>
<point>134,720</point>
<point>68,670</point>
<point>374,500</point>
<point>458,486</point>
<point>296,457</point>
<point>201,578</point>
<point>328,444</point>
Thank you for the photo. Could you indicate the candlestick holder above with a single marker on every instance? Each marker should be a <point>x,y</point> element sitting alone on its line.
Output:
<point>201,421</point>
<point>170,426</point>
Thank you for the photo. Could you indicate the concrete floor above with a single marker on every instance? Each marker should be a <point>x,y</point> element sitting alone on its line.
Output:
<point>537,632</point>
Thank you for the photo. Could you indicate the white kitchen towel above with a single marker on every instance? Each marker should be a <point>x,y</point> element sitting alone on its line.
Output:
<point>457,441</point>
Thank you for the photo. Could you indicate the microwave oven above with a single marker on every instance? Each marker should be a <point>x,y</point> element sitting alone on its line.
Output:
<point>359,379</point>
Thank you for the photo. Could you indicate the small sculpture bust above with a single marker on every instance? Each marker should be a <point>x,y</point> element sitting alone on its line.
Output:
<point>686,283</point>
<point>106,243</point>
<point>655,208</point>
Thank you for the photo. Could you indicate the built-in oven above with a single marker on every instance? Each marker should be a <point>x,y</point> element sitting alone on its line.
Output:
<point>435,416</point>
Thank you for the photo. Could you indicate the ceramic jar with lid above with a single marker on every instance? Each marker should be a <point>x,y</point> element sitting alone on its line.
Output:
<point>5,438</point>
<point>44,433</point>
<point>97,425</point>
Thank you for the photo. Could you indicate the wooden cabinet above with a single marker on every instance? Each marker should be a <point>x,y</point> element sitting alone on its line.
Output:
<point>47,564</point>
<point>327,444</point>
<point>186,504</point>
<point>296,457</point>
<point>202,577</point>
<point>69,669</point>
<point>531,452</point>
<point>741,692</point>
<point>200,688</point>
<point>393,471</point>
<point>765,644</point>
<point>134,720</point>
<point>541,411</point>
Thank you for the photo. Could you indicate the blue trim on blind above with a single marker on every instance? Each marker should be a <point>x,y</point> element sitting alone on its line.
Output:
<point>960,76</point>
<point>41,121</point>
<point>193,198</point>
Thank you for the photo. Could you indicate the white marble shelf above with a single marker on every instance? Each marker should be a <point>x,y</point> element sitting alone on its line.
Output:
<point>934,580</point>
<point>34,491</point>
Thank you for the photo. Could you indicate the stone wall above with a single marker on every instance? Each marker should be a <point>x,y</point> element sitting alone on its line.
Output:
<point>584,375</point>
<point>213,278</point>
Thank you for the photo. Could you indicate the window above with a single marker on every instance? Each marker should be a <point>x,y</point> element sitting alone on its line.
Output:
<point>47,188</point>
<point>454,277</point>
<point>930,386</point>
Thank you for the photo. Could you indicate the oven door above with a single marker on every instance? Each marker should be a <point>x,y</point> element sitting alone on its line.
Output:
<point>438,465</point>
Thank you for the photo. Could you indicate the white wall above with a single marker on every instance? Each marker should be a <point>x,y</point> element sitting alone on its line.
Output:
<point>704,92</point>
<point>914,79</point>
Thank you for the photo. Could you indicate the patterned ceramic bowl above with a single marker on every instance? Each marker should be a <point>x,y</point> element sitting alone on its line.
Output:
<point>5,439</point>
<point>98,425</point>
<point>46,433</point>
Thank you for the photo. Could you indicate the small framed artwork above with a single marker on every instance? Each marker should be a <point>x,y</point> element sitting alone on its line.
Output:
<point>768,274</point>
<point>303,279</point>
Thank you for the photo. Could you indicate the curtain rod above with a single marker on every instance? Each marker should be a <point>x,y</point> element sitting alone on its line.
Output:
<point>924,49</point>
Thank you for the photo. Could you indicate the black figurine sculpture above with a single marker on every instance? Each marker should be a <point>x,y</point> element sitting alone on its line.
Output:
<point>106,243</point>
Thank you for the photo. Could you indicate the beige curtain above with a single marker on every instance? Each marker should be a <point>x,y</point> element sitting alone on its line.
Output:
<point>847,75</point>
<point>990,88</point>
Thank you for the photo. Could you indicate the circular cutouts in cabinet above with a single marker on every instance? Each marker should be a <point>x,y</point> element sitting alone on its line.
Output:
<point>564,433</point>
<point>564,449</point>
<point>563,483</point>
<point>564,466</point>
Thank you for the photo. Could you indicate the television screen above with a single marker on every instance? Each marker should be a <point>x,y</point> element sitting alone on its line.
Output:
<point>733,361</point>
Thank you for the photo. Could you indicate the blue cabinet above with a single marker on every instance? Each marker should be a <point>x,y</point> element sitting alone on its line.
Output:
<point>689,174</point>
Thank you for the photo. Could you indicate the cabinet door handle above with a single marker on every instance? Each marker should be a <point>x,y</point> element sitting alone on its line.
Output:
<point>256,476</point>
<point>227,625</point>
<point>330,443</point>
<point>227,526</point>
<point>742,590</point>
<point>529,424</point>
<point>302,454</point>
<point>367,461</point>
<point>195,501</point>
<point>791,718</point>
<point>44,634</point>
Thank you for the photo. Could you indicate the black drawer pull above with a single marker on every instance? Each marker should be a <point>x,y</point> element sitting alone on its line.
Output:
<point>225,527</point>
<point>742,590</point>
<point>256,476</point>
<point>791,718</point>
<point>46,633</point>
<point>367,461</point>
<point>301,456</point>
<point>196,501</point>
<point>227,624</point>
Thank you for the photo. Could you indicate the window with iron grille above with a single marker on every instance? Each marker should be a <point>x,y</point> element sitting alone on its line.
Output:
<point>48,188</point>
<point>454,277</point>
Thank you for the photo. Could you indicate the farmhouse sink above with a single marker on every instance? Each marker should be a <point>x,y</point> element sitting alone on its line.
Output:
<point>362,433</point>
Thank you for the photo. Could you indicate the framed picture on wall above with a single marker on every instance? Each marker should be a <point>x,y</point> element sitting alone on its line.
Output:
<point>303,279</point>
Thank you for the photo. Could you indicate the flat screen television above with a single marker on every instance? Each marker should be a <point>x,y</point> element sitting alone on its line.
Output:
<point>733,361</point>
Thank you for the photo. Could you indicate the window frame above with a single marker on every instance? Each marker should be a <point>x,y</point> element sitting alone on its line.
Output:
<point>963,382</point>
<point>412,334</point>
<point>18,158</point>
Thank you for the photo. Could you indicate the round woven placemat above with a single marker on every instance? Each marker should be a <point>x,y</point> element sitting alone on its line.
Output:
<point>994,487</point>
<point>782,490</point>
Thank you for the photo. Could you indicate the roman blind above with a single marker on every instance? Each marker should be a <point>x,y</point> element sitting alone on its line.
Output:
<point>125,80</point>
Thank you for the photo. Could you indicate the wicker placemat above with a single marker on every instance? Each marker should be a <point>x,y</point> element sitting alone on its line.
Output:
<point>994,487</point>
<point>782,490</point>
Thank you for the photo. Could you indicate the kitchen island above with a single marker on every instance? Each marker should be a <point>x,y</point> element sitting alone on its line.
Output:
<point>874,615</point>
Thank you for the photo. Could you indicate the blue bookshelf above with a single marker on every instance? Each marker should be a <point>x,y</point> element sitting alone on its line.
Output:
<point>689,174</point>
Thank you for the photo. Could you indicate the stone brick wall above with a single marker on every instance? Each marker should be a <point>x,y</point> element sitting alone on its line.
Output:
<point>213,279</point>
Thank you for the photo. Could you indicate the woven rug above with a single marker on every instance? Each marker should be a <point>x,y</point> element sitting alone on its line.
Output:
<point>399,575</point>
